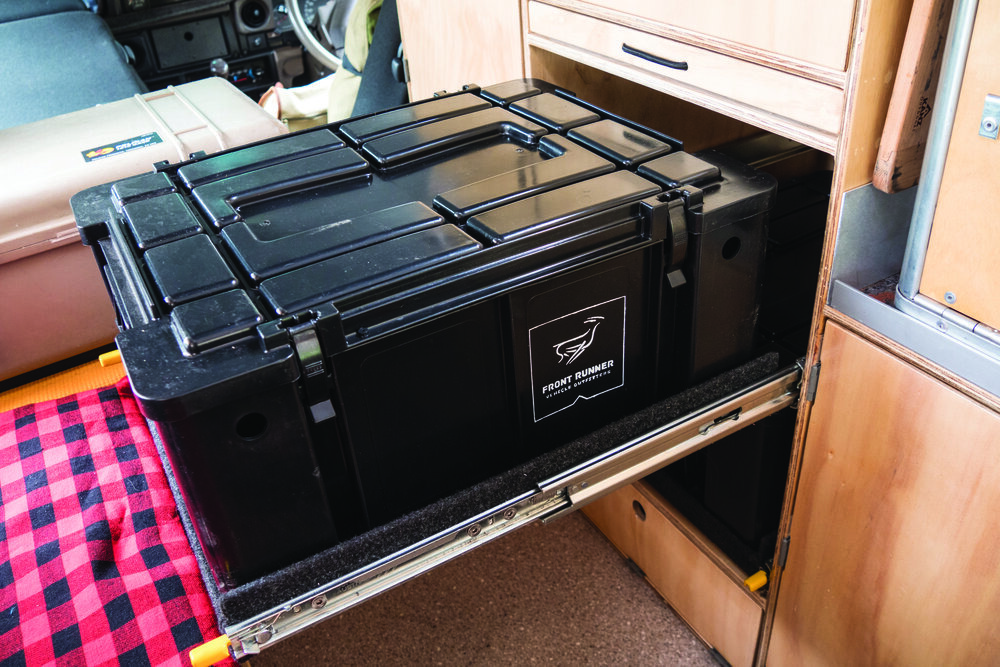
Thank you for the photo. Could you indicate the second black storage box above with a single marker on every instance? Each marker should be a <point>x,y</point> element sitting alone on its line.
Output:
<point>335,328</point>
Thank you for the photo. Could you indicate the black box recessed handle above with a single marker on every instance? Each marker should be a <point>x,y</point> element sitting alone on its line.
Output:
<point>672,64</point>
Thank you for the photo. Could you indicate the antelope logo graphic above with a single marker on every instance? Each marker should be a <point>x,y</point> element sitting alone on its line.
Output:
<point>569,350</point>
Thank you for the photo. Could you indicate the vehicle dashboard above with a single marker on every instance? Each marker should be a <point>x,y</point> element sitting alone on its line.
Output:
<point>249,42</point>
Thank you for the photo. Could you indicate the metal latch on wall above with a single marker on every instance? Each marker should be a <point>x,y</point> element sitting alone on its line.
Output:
<point>989,124</point>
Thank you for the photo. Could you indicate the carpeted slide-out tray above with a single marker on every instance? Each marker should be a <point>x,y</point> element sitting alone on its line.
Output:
<point>96,566</point>
<point>290,599</point>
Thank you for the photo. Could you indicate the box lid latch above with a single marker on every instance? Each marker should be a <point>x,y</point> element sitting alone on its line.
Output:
<point>315,384</point>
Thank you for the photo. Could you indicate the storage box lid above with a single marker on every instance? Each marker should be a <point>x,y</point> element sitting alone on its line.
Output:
<point>724,190</point>
<point>358,228</point>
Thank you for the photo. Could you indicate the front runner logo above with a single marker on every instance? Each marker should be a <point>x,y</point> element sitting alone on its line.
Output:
<point>569,350</point>
<point>561,374</point>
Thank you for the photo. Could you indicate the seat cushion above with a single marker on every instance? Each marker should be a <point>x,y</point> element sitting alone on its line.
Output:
<point>58,63</point>
<point>14,10</point>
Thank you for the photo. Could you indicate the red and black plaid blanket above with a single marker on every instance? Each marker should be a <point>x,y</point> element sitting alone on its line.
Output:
<point>95,567</point>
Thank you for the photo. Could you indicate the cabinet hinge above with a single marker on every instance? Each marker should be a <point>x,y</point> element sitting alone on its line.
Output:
<point>783,551</point>
<point>813,382</point>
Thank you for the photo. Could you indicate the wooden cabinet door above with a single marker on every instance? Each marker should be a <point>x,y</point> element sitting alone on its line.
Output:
<point>450,43</point>
<point>894,556</point>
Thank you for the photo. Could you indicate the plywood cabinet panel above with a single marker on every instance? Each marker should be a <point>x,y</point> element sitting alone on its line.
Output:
<point>895,550</point>
<point>450,43</point>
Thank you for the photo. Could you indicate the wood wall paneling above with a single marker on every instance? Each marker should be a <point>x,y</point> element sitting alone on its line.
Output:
<point>875,57</point>
<point>450,43</point>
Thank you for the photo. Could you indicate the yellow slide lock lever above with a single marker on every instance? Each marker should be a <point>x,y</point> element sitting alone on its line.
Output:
<point>210,652</point>
<point>756,581</point>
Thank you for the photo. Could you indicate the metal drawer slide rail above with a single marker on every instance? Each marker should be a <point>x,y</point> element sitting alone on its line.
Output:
<point>555,497</point>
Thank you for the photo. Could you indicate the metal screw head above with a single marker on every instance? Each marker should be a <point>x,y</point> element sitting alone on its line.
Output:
<point>989,122</point>
<point>950,297</point>
<point>509,513</point>
<point>318,602</point>
<point>474,530</point>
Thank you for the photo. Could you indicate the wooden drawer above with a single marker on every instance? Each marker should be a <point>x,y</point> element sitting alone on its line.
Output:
<point>803,109</point>
<point>702,586</point>
<point>813,33</point>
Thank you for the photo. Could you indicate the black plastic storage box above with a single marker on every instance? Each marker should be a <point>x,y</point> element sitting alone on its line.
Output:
<point>340,326</point>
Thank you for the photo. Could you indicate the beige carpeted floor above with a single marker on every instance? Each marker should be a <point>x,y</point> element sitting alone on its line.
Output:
<point>558,594</point>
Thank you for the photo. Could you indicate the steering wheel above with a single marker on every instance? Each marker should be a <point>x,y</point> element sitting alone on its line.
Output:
<point>308,39</point>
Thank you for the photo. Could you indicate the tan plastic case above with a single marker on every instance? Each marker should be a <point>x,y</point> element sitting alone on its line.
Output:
<point>53,304</point>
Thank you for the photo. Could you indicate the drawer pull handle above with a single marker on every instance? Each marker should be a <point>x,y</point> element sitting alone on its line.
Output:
<point>672,64</point>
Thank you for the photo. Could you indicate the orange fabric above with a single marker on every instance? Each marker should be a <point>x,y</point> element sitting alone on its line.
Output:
<point>82,378</point>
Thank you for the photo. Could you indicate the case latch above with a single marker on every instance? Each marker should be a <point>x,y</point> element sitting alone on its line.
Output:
<point>666,220</point>
<point>315,384</point>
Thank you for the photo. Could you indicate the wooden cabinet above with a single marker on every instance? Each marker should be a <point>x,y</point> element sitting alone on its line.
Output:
<point>782,66</point>
<point>745,60</point>
<point>893,542</point>
<point>894,553</point>
<point>703,586</point>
